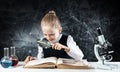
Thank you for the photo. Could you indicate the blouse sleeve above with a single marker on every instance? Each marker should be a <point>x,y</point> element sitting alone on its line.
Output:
<point>40,52</point>
<point>75,52</point>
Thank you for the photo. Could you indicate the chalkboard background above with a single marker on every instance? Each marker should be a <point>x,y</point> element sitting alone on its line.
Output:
<point>20,24</point>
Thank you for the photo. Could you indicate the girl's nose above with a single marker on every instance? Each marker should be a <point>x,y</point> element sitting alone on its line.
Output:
<point>48,38</point>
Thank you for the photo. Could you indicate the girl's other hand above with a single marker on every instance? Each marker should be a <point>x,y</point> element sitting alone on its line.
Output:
<point>28,58</point>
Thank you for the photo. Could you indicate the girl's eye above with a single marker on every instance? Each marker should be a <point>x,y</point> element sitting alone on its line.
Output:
<point>49,35</point>
<point>52,34</point>
<point>45,34</point>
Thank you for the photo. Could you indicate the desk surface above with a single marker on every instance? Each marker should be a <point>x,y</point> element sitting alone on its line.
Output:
<point>96,67</point>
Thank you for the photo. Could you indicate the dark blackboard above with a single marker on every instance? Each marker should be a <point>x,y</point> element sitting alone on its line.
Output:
<point>20,24</point>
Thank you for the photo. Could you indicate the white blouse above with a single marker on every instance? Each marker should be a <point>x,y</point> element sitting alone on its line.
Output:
<point>75,52</point>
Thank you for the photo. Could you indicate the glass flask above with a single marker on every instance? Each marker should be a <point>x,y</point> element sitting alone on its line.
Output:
<point>5,61</point>
<point>13,56</point>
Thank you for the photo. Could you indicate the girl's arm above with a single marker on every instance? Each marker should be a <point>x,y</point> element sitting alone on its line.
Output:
<point>75,52</point>
<point>40,52</point>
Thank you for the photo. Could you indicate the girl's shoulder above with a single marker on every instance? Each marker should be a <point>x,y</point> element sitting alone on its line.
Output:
<point>67,36</point>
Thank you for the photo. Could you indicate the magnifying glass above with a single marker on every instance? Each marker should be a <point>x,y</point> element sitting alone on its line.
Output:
<point>44,43</point>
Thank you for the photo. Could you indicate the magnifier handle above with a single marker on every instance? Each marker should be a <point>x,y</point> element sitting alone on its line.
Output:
<point>62,49</point>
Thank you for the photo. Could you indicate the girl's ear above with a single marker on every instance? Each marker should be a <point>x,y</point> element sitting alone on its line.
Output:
<point>60,29</point>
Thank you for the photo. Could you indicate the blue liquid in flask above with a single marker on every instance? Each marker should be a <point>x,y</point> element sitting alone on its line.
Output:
<point>5,61</point>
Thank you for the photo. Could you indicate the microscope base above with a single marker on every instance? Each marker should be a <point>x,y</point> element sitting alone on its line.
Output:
<point>106,66</point>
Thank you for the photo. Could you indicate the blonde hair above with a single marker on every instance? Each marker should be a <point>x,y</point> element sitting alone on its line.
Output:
<point>50,19</point>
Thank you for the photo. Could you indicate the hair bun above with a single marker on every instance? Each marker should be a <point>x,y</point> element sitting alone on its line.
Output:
<point>52,12</point>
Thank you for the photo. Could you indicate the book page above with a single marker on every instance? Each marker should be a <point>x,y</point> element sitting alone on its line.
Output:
<point>41,61</point>
<point>63,63</point>
<point>72,62</point>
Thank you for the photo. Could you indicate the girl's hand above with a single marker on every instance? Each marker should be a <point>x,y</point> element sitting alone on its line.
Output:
<point>28,58</point>
<point>58,46</point>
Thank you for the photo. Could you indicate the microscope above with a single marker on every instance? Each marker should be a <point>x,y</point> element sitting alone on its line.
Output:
<point>101,48</point>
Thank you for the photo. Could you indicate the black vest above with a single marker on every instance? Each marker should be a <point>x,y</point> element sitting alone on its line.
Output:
<point>57,53</point>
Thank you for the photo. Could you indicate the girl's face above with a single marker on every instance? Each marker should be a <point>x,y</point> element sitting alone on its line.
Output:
<point>51,34</point>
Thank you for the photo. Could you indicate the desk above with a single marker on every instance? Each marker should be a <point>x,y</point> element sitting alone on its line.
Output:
<point>94,65</point>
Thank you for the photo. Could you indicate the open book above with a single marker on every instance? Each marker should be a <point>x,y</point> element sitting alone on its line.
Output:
<point>60,63</point>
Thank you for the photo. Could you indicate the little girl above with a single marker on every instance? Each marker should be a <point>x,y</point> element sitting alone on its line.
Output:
<point>63,46</point>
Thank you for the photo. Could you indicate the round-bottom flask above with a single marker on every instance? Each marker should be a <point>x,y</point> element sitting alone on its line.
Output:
<point>5,61</point>
<point>13,57</point>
